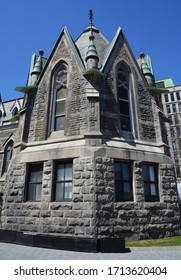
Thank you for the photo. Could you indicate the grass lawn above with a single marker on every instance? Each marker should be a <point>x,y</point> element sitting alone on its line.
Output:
<point>169,241</point>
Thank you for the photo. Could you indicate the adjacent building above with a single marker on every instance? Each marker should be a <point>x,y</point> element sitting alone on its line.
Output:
<point>89,157</point>
<point>171,102</point>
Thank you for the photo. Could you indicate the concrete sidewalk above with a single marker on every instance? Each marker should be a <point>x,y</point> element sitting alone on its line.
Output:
<point>19,252</point>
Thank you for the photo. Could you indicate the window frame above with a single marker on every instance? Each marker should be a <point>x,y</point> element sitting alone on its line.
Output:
<point>56,116</point>
<point>55,181</point>
<point>120,188</point>
<point>150,197</point>
<point>59,82</point>
<point>6,162</point>
<point>126,72</point>
<point>29,183</point>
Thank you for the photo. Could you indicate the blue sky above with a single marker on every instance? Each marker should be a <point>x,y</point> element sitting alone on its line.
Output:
<point>152,27</point>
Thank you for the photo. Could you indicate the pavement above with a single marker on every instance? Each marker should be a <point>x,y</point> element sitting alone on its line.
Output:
<point>19,252</point>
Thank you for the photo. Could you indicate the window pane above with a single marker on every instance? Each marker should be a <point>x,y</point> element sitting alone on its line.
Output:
<point>125,123</point>
<point>34,187</point>
<point>168,109</point>
<point>117,170</point>
<point>151,173</point>
<point>153,189</point>
<point>60,172</point>
<point>59,123</point>
<point>61,94</point>
<point>178,95</point>
<point>122,92</point>
<point>166,97</point>
<point>68,171</point>
<point>126,171</point>
<point>124,107</point>
<point>172,96</point>
<point>123,181</point>
<point>63,181</point>
<point>127,191</point>
<point>60,107</point>
<point>36,176</point>
<point>38,192</point>
<point>59,191</point>
<point>146,173</point>
<point>68,191</point>
<point>31,192</point>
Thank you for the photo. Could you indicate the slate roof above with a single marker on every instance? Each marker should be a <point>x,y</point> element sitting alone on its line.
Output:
<point>100,43</point>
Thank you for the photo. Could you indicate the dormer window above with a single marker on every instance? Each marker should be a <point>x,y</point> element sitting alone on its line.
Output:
<point>123,90</point>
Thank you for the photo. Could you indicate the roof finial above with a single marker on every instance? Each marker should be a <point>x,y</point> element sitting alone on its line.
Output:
<point>91,16</point>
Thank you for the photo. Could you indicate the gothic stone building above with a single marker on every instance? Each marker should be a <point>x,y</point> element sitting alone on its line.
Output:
<point>89,158</point>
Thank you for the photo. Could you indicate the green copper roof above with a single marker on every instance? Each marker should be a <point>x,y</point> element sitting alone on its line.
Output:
<point>92,52</point>
<point>38,65</point>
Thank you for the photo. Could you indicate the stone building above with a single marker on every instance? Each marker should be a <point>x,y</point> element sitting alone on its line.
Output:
<point>171,102</point>
<point>89,156</point>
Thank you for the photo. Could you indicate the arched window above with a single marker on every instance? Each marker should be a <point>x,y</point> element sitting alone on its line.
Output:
<point>123,90</point>
<point>60,94</point>
<point>15,111</point>
<point>7,156</point>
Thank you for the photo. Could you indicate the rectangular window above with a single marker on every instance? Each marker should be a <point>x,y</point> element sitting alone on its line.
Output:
<point>168,109</point>
<point>166,97</point>
<point>34,184</point>
<point>174,146</point>
<point>172,133</point>
<point>178,131</point>
<point>63,181</point>
<point>178,95</point>
<point>150,182</point>
<point>172,96</point>
<point>174,108</point>
<point>179,107</point>
<point>123,181</point>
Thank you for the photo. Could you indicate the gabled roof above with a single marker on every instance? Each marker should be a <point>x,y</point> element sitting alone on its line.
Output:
<point>119,36</point>
<point>72,47</point>
<point>110,48</point>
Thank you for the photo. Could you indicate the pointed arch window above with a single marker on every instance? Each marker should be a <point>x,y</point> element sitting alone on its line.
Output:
<point>15,111</point>
<point>7,156</point>
<point>60,94</point>
<point>123,90</point>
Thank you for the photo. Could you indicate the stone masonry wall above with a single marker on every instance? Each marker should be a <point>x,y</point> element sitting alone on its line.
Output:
<point>137,219</point>
<point>64,218</point>
<point>142,114</point>
<point>76,101</point>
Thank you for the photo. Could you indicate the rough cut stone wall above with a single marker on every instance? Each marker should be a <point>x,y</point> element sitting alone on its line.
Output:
<point>65,218</point>
<point>142,114</point>
<point>136,219</point>
<point>76,102</point>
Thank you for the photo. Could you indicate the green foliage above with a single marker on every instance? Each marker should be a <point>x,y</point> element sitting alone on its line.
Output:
<point>92,73</point>
<point>166,119</point>
<point>26,89</point>
<point>157,91</point>
<point>167,241</point>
